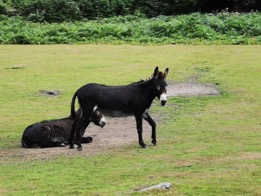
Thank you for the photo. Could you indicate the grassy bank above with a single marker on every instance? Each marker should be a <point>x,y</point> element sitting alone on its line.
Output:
<point>206,145</point>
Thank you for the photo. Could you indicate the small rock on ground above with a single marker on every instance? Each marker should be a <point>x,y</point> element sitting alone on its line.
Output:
<point>165,185</point>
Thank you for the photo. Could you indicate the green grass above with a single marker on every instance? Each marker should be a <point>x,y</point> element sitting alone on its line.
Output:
<point>206,145</point>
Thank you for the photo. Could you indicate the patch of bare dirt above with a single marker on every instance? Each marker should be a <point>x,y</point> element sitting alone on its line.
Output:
<point>117,132</point>
<point>49,92</point>
<point>192,89</point>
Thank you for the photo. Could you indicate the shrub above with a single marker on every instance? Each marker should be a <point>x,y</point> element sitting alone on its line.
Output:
<point>71,10</point>
<point>193,28</point>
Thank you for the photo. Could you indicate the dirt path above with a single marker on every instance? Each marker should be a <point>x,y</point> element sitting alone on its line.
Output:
<point>117,132</point>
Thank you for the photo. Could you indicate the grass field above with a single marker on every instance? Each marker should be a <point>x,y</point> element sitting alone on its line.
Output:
<point>206,145</point>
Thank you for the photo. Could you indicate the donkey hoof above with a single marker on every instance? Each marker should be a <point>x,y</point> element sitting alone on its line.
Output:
<point>62,145</point>
<point>144,146</point>
<point>79,148</point>
<point>154,142</point>
<point>71,147</point>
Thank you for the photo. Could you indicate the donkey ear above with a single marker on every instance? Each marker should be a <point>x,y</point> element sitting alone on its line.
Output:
<point>156,72</point>
<point>166,72</point>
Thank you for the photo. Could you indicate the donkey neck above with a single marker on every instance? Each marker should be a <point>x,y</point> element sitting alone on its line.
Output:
<point>148,89</point>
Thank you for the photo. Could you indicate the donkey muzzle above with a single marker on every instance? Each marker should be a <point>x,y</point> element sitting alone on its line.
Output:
<point>102,122</point>
<point>163,99</point>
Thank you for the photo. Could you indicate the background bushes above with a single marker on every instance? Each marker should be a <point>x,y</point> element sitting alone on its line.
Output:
<point>71,10</point>
<point>129,21</point>
<point>196,28</point>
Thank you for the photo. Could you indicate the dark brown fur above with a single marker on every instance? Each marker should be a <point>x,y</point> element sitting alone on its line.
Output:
<point>54,133</point>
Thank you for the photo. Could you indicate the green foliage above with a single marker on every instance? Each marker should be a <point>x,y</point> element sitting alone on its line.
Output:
<point>66,10</point>
<point>223,28</point>
<point>71,10</point>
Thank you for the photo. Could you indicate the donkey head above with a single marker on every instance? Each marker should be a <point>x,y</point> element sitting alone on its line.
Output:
<point>97,117</point>
<point>160,85</point>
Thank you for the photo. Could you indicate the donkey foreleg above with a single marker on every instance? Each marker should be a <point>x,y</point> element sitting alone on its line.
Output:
<point>152,123</point>
<point>139,129</point>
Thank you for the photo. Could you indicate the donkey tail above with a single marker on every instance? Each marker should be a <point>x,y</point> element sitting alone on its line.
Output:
<point>73,113</point>
<point>24,141</point>
<point>24,144</point>
<point>27,144</point>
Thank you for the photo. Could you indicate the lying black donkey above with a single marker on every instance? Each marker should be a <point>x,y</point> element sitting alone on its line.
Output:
<point>55,133</point>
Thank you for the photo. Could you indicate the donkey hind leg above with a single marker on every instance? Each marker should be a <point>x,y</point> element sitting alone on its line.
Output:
<point>83,124</point>
<point>139,128</point>
<point>152,123</point>
<point>70,139</point>
<point>46,139</point>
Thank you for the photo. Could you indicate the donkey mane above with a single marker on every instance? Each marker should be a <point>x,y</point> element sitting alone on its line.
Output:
<point>160,76</point>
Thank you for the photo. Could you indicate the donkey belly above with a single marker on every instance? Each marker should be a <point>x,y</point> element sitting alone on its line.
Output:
<point>116,107</point>
<point>116,113</point>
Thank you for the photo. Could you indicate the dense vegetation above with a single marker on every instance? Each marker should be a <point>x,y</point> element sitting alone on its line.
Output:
<point>130,21</point>
<point>221,28</point>
<point>70,10</point>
